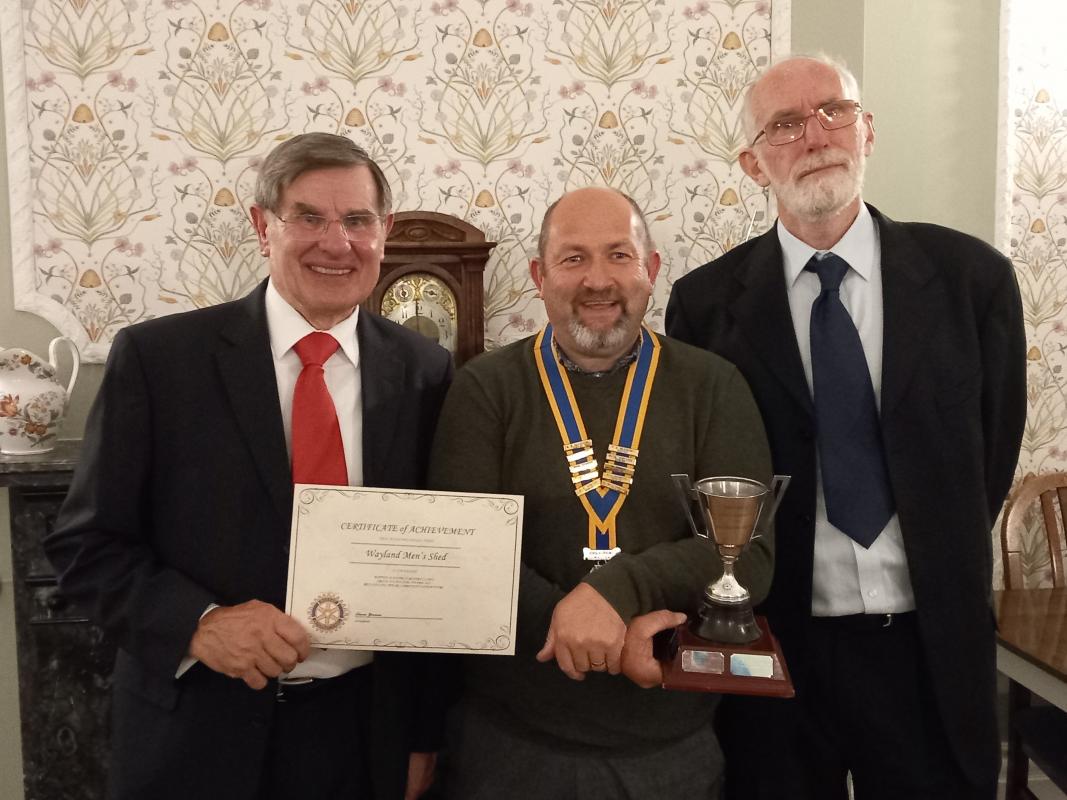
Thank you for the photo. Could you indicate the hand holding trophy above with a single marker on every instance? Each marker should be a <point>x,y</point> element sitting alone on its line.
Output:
<point>726,648</point>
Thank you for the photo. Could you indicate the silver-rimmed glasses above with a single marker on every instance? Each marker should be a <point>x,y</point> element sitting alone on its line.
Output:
<point>831,116</point>
<point>313,226</point>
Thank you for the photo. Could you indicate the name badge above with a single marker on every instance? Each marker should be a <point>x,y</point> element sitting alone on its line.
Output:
<point>589,554</point>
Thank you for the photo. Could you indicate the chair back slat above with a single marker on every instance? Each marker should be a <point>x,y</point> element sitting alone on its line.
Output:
<point>1013,570</point>
<point>1051,489</point>
<point>1053,534</point>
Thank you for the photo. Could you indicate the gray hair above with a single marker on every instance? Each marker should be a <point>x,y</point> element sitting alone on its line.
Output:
<point>642,224</point>
<point>849,85</point>
<point>311,151</point>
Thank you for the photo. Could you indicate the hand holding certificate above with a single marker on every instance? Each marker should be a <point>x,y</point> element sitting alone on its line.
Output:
<point>397,569</point>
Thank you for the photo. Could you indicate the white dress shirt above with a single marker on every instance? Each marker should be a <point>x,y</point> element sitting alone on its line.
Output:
<point>286,327</point>
<point>848,578</point>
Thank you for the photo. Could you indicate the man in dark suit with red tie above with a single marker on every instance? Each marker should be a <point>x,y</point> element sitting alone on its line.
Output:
<point>175,532</point>
<point>887,360</point>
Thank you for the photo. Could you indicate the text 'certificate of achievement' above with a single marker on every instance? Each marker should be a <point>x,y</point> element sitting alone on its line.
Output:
<point>400,569</point>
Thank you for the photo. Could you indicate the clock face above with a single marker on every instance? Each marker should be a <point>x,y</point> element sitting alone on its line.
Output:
<point>424,303</point>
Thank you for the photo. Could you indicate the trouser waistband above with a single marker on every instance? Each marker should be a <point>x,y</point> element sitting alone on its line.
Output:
<point>859,623</point>
<point>302,690</point>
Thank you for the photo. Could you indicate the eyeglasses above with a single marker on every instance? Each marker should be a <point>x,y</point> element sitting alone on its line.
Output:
<point>313,226</point>
<point>831,116</point>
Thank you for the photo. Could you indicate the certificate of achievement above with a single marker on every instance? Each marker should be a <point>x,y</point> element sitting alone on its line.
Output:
<point>399,569</point>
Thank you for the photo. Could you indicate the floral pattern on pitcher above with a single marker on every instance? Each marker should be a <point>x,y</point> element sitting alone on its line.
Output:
<point>30,426</point>
<point>32,400</point>
<point>17,360</point>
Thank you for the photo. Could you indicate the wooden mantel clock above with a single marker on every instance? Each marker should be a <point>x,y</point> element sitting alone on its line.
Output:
<point>431,280</point>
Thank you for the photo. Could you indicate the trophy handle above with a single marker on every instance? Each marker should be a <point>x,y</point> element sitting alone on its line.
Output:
<point>686,493</point>
<point>778,486</point>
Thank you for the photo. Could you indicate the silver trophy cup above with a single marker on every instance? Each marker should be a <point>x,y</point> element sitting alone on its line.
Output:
<point>730,511</point>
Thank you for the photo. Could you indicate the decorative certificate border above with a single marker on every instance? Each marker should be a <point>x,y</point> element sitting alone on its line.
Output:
<point>403,533</point>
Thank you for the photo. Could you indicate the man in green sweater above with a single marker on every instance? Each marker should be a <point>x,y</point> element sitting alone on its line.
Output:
<point>587,421</point>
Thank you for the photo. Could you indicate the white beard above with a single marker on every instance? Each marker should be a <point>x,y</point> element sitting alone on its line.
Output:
<point>821,196</point>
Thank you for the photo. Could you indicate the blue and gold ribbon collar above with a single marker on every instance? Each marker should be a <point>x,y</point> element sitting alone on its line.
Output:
<point>602,495</point>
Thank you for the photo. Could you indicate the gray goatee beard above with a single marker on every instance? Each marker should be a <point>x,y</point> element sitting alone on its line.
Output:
<point>592,343</point>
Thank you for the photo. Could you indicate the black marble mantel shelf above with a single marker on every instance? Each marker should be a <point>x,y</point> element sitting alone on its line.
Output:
<point>41,469</point>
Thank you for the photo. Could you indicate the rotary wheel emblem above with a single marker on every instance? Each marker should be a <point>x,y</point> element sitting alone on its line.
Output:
<point>327,612</point>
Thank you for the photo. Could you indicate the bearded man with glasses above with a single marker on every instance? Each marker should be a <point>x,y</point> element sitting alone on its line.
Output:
<point>175,532</point>
<point>888,362</point>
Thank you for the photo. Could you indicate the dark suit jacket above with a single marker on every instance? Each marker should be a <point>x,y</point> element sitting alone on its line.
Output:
<point>183,497</point>
<point>953,405</point>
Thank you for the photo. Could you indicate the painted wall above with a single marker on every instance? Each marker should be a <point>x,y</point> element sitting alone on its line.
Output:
<point>894,45</point>
<point>928,72</point>
<point>931,79</point>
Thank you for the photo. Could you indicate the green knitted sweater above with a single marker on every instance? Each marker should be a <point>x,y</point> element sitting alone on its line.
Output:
<point>497,434</point>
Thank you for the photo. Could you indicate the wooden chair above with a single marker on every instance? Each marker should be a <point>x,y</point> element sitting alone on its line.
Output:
<point>1035,733</point>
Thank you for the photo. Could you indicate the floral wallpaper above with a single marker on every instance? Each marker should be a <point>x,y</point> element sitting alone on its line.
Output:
<point>135,128</point>
<point>1032,229</point>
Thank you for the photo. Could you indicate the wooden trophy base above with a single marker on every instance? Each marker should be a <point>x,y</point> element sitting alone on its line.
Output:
<point>697,665</point>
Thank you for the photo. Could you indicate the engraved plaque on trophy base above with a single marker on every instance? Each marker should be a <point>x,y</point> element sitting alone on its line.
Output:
<point>698,665</point>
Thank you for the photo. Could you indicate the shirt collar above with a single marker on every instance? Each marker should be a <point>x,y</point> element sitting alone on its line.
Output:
<point>287,327</point>
<point>859,247</point>
<point>625,361</point>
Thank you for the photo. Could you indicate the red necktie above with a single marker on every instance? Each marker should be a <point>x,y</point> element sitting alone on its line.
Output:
<point>318,452</point>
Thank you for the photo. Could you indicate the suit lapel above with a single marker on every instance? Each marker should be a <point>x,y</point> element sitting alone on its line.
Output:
<point>911,300</point>
<point>246,369</point>
<point>382,379</point>
<point>762,312</point>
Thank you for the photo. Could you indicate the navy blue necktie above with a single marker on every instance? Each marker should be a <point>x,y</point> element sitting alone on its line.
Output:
<point>855,481</point>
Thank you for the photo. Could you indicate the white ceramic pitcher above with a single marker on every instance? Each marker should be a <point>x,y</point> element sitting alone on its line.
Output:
<point>32,400</point>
